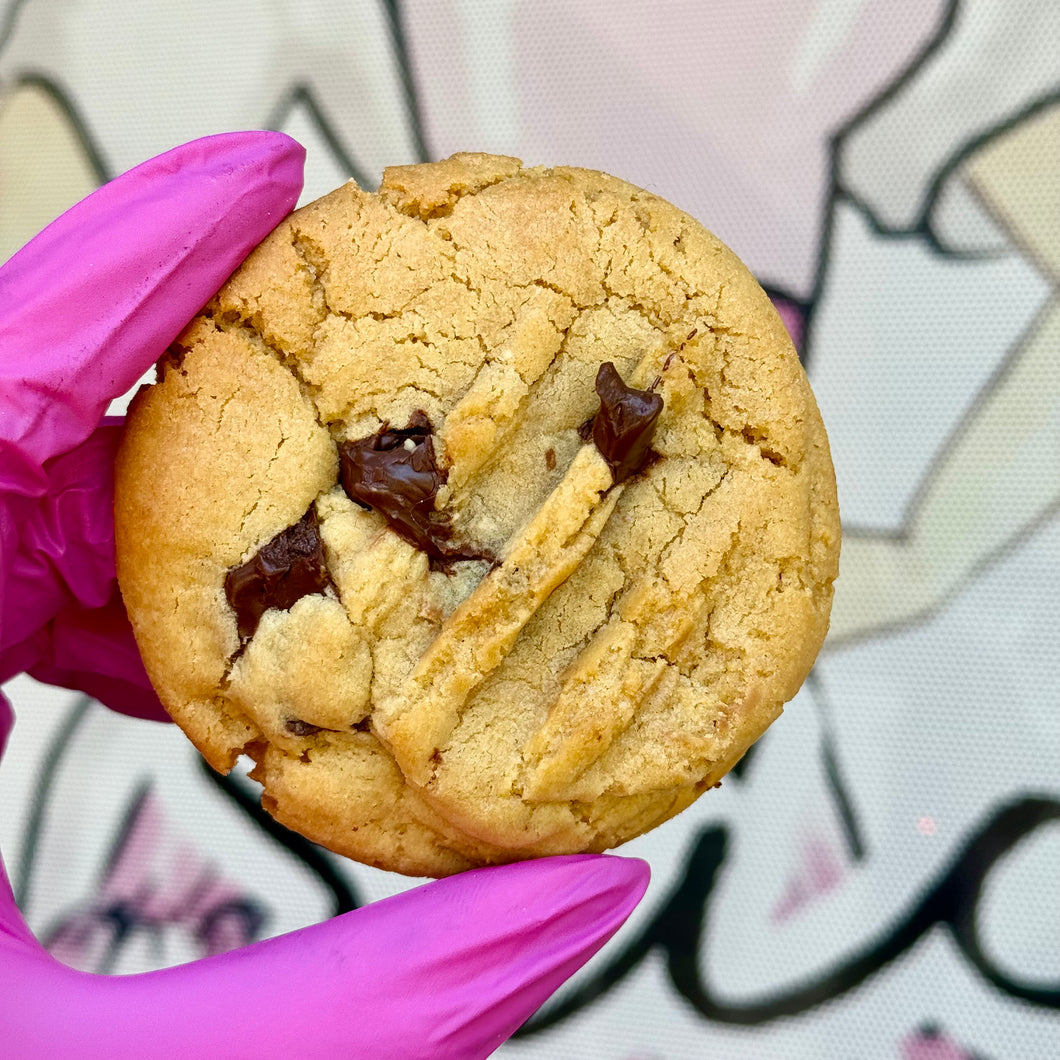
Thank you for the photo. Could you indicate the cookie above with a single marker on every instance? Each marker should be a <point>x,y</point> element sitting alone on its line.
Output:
<point>490,514</point>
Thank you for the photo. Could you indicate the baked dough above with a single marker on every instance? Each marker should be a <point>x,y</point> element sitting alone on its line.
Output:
<point>479,636</point>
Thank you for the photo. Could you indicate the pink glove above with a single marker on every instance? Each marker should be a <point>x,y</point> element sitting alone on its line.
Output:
<point>447,970</point>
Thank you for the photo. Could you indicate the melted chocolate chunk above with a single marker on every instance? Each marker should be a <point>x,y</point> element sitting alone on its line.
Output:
<point>623,428</point>
<point>394,472</point>
<point>289,567</point>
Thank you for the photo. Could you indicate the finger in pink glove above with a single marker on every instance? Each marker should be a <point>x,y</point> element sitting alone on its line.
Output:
<point>85,309</point>
<point>446,971</point>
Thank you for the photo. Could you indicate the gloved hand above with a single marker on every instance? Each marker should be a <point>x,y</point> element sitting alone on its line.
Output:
<point>449,969</point>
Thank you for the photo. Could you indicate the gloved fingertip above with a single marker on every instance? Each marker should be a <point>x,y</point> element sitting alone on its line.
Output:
<point>94,299</point>
<point>572,878</point>
<point>626,874</point>
<point>574,906</point>
<point>574,888</point>
<point>242,156</point>
<point>266,140</point>
<point>513,935</point>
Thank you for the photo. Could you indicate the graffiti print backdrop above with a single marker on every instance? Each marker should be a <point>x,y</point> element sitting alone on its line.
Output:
<point>881,877</point>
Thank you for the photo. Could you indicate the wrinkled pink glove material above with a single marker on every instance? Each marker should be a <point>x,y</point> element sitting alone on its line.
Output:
<point>446,970</point>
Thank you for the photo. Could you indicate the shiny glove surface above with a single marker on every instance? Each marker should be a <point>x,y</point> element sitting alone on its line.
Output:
<point>446,970</point>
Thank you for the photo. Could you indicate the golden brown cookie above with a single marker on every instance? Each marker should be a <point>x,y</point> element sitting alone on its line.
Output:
<point>490,514</point>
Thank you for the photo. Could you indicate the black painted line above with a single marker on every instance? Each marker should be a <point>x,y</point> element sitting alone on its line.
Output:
<point>74,119</point>
<point>126,918</point>
<point>841,796</point>
<point>303,94</point>
<point>1001,130</point>
<point>913,67</point>
<point>774,290</point>
<point>997,379</point>
<point>40,799</point>
<point>917,230</point>
<point>1015,240</point>
<point>991,559</point>
<point>976,143</point>
<point>8,22</point>
<point>702,865</point>
<point>402,53</point>
<point>133,809</point>
<point>681,930</point>
<point>123,918</point>
<point>748,757</point>
<point>839,195</point>
<point>309,854</point>
<point>835,143</point>
<point>903,534</point>
<point>837,787</point>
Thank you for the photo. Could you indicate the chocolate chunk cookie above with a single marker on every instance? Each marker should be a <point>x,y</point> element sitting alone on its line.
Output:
<point>491,514</point>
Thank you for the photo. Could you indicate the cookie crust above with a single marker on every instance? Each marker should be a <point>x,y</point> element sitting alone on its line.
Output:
<point>614,648</point>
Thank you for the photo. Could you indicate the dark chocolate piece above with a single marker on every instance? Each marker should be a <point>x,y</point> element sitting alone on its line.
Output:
<point>623,428</point>
<point>394,472</point>
<point>297,727</point>
<point>289,567</point>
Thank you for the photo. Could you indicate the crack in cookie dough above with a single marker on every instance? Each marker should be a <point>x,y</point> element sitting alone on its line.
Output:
<point>232,322</point>
<point>615,635</point>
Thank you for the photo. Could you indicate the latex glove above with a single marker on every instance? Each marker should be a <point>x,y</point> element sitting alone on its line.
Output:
<point>449,969</point>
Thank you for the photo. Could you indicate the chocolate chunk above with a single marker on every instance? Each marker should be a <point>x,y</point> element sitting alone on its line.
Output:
<point>297,727</point>
<point>289,567</point>
<point>395,473</point>
<point>623,428</point>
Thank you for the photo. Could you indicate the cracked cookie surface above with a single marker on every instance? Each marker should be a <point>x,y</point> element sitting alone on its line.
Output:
<point>513,644</point>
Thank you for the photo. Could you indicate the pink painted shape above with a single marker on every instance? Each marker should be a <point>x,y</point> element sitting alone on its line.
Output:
<point>794,319</point>
<point>818,873</point>
<point>160,879</point>
<point>921,1045</point>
